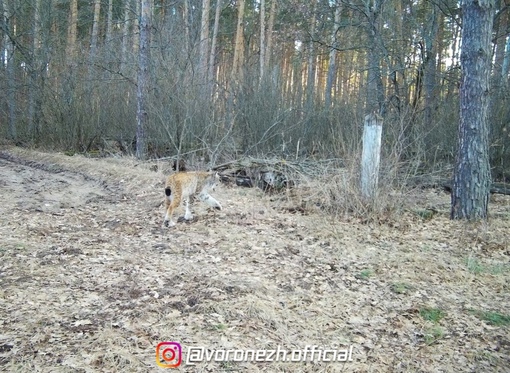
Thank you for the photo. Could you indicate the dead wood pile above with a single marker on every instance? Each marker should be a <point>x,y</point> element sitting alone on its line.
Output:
<point>271,175</point>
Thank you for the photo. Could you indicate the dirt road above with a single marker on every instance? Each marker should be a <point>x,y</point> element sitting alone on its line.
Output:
<point>90,281</point>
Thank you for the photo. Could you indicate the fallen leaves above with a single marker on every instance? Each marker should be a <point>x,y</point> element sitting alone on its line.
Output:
<point>96,282</point>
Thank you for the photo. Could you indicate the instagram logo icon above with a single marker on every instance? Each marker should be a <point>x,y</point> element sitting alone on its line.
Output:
<point>169,354</point>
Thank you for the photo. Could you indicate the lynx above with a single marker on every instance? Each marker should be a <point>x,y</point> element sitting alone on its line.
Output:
<point>182,186</point>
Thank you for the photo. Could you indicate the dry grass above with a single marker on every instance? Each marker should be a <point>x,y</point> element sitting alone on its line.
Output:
<point>91,282</point>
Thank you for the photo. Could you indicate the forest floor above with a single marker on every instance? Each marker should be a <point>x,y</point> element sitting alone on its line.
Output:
<point>90,281</point>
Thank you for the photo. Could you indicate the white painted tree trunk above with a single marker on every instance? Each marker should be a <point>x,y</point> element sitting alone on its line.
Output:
<point>371,155</point>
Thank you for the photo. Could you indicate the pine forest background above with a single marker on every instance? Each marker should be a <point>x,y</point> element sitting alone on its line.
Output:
<point>280,78</point>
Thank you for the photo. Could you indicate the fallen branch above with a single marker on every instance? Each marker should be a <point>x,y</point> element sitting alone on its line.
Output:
<point>496,188</point>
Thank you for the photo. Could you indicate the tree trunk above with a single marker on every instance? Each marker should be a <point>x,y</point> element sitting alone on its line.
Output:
<point>125,34</point>
<point>136,26</point>
<point>109,22</point>
<point>332,57</point>
<point>187,27</point>
<point>204,39</point>
<point>270,26</point>
<point>471,182</point>
<point>310,79</point>
<point>142,114</point>
<point>371,155</point>
<point>375,93</point>
<point>429,63</point>
<point>72,31</point>
<point>10,66</point>
<point>95,28</point>
<point>452,81</point>
<point>212,56</point>
<point>34,89</point>
<point>262,58</point>
<point>501,35</point>
<point>237,69</point>
<point>506,62</point>
<point>94,39</point>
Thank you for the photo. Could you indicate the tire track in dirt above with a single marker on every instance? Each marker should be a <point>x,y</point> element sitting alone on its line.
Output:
<point>50,184</point>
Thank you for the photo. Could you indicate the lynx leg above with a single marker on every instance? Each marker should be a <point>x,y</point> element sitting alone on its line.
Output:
<point>172,202</point>
<point>205,197</point>
<point>187,215</point>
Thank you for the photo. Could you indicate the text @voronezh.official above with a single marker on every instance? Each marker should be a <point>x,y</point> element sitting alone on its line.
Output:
<point>169,355</point>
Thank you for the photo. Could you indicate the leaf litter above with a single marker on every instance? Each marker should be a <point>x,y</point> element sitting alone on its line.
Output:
<point>90,281</point>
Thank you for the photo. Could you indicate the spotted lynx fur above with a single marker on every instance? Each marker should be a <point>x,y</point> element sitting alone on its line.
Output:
<point>182,186</point>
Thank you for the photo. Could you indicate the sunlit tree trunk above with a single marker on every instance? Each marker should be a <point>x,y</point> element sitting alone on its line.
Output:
<point>204,39</point>
<point>310,80</point>
<point>72,30</point>
<point>237,69</point>
<point>332,57</point>
<point>94,39</point>
<point>262,53</point>
<point>270,27</point>
<point>212,57</point>
<point>375,93</point>
<point>471,182</point>
<point>143,83</point>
